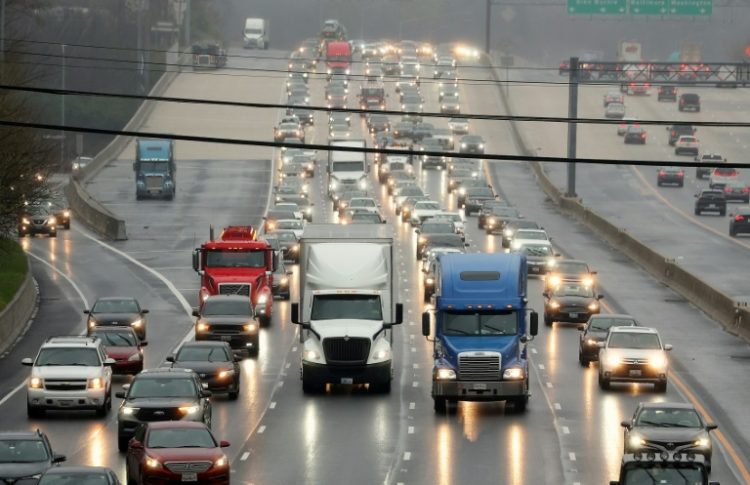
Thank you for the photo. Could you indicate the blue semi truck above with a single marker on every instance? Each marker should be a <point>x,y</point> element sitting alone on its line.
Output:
<point>155,169</point>
<point>480,337</point>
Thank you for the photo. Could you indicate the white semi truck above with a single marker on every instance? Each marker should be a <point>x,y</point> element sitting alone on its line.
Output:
<point>347,168</point>
<point>255,34</point>
<point>346,310</point>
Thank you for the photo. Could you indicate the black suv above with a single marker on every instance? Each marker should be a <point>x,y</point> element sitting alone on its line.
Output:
<point>689,102</point>
<point>739,223</point>
<point>214,362</point>
<point>710,200</point>
<point>667,93</point>
<point>676,131</point>
<point>24,455</point>
<point>228,318</point>
<point>161,395</point>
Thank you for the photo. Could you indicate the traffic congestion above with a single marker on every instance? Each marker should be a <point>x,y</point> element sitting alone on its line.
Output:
<point>419,314</point>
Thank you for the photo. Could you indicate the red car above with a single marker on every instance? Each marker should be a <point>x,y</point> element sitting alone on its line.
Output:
<point>123,345</point>
<point>176,452</point>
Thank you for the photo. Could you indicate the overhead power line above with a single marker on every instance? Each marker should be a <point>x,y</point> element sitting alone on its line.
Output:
<point>384,151</point>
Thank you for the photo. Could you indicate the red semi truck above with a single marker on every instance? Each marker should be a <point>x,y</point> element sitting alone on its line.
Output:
<point>338,57</point>
<point>238,263</point>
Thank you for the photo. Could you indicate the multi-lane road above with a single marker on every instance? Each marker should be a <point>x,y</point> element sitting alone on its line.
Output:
<point>570,433</point>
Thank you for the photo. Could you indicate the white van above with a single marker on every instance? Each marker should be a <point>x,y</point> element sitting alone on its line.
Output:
<point>256,33</point>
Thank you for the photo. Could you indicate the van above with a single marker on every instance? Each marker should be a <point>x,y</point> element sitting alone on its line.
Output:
<point>256,33</point>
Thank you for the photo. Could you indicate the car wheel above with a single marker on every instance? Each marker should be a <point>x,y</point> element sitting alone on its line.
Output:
<point>122,443</point>
<point>312,387</point>
<point>548,320</point>
<point>34,412</point>
<point>660,387</point>
<point>582,360</point>
<point>440,405</point>
<point>66,225</point>
<point>603,383</point>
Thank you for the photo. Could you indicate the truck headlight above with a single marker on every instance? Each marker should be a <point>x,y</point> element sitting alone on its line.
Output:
<point>554,280</point>
<point>36,383</point>
<point>445,374</point>
<point>96,383</point>
<point>311,355</point>
<point>593,306</point>
<point>249,327</point>
<point>202,327</point>
<point>636,442</point>
<point>513,373</point>
<point>381,355</point>
<point>554,305</point>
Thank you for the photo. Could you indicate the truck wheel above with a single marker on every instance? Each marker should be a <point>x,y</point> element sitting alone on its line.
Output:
<point>660,387</point>
<point>381,387</point>
<point>265,321</point>
<point>440,405</point>
<point>547,321</point>
<point>34,412</point>
<point>311,387</point>
<point>603,383</point>
<point>518,404</point>
<point>582,360</point>
<point>122,443</point>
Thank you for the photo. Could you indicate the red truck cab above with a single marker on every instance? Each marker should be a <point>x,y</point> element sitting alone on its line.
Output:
<point>338,57</point>
<point>238,263</point>
<point>372,97</point>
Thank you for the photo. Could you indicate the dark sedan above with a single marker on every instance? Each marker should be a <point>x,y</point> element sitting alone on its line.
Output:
<point>739,223</point>
<point>710,200</point>
<point>475,197</point>
<point>471,144</point>
<point>214,363</point>
<point>443,241</point>
<point>595,331</point>
<point>668,427</point>
<point>228,318</point>
<point>737,190</point>
<point>635,134</point>
<point>116,311</point>
<point>498,216</point>
<point>486,210</point>
<point>570,303</point>
<point>512,225</point>
<point>429,229</point>
<point>670,175</point>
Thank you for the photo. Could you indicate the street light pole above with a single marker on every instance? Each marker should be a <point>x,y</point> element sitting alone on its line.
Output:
<point>62,113</point>
<point>572,126</point>
<point>487,25</point>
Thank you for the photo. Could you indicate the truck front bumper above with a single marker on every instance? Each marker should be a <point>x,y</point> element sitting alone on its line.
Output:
<point>344,374</point>
<point>479,391</point>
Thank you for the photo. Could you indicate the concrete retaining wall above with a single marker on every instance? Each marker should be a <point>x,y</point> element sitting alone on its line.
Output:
<point>735,318</point>
<point>85,207</point>
<point>16,314</point>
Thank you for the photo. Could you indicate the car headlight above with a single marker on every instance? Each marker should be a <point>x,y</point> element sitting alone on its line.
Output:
<point>202,327</point>
<point>422,239</point>
<point>96,383</point>
<point>508,232</point>
<point>591,341</point>
<point>137,323</point>
<point>554,304</point>
<point>36,383</point>
<point>481,146</point>
<point>463,145</point>
<point>445,374</point>
<point>587,281</point>
<point>636,442</point>
<point>26,221</point>
<point>129,410</point>
<point>593,306</point>
<point>221,462</point>
<point>66,213</point>
<point>135,357</point>
<point>52,221</point>
<point>295,248</point>
<point>555,280</point>
<point>513,373</point>
<point>226,373</point>
<point>613,360</point>
<point>284,281</point>
<point>429,281</point>
<point>462,191</point>
<point>250,327</point>
<point>188,410</point>
<point>658,361</point>
<point>704,443</point>
<point>551,262</point>
<point>92,323</point>
<point>515,245</point>
<point>152,463</point>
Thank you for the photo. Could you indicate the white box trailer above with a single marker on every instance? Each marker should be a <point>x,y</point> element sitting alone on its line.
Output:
<point>255,33</point>
<point>346,308</point>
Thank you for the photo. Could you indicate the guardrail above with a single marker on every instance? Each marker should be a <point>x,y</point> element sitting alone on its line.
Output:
<point>733,316</point>
<point>84,205</point>
<point>18,311</point>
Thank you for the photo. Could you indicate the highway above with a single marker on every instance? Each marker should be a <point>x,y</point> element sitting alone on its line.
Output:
<point>570,433</point>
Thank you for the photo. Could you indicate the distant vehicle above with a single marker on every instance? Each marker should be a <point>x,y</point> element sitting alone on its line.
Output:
<point>215,363</point>
<point>255,34</point>
<point>459,126</point>
<point>710,200</point>
<point>635,134</point>
<point>670,468</point>
<point>78,164</point>
<point>614,110</point>
<point>123,345</point>
<point>689,102</point>
<point>737,190</point>
<point>595,331</point>
<point>209,55</point>
<point>622,353</point>
<point>338,58</point>
<point>471,144</point>
<point>613,97</point>
<point>155,169</point>
<point>739,223</point>
<point>570,302</point>
<point>671,176</point>
<point>627,122</point>
<point>332,30</point>
<point>720,176</point>
<point>666,93</point>
<point>117,312</point>
<point>711,160</point>
<point>687,144</point>
<point>676,131</point>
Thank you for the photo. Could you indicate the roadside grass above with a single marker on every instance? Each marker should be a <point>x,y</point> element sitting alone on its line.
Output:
<point>13,268</point>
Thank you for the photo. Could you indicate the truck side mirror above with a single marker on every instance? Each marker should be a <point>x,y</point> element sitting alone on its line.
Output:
<point>625,424</point>
<point>196,260</point>
<point>294,313</point>
<point>135,167</point>
<point>426,324</point>
<point>534,323</point>
<point>399,314</point>
<point>196,313</point>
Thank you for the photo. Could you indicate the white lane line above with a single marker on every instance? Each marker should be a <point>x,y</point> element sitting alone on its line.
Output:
<point>415,366</point>
<point>288,364</point>
<point>294,349</point>
<point>549,384</point>
<point>272,405</point>
<point>410,430</point>
<point>412,405</point>
<point>407,455</point>
<point>413,349</point>
<point>541,366</point>
<point>565,430</point>
<point>262,429</point>
<point>558,406</point>
<point>245,456</point>
<point>533,351</point>
<point>415,384</point>
<point>572,456</point>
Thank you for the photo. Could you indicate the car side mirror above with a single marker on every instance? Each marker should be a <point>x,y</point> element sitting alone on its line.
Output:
<point>601,345</point>
<point>143,343</point>
<point>711,426</point>
<point>696,196</point>
<point>27,361</point>
<point>109,362</point>
<point>196,313</point>
<point>224,444</point>
<point>120,394</point>
<point>206,393</point>
<point>170,358</point>
<point>426,324</point>
<point>56,458</point>
<point>534,323</point>
<point>545,294</point>
<point>136,445</point>
<point>294,313</point>
<point>667,347</point>
<point>582,328</point>
<point>600,297</point>
<point>145,311</point>
<point>625,424</point>
<point>87,312</point>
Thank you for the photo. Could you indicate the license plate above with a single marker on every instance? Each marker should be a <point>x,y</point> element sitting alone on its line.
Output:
<point>347,380</point>
<point>711,206</point>
<point>190,477</point>
<point>65,402</point>
<point>573,315</point>
<point>635,373</point>
<point>226,338</point>
<point>478,386</point>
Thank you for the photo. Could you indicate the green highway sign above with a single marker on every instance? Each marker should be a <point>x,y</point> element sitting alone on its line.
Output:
<point>640,7</point>
<point>597,7</point>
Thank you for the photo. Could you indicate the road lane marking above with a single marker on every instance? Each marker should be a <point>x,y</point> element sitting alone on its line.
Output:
<point>541,366</point>
<point>407,455</point>
<point>572,456</point>
<point>549,385</point>
<point>412,405</point>
<point>245,456</point>
<point>410,430</point>
<point>558,406</point>
<point>262,429</point>
<point>272,405</point>
<point>533,350</point>
<point>565,430</point>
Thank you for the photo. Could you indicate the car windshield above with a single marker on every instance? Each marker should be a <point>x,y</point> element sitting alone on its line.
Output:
<point>633,340</point>
<point>79,356</point>
<point>669,418</point>
<point>479,192</point>
<point>368,217</point>
<point>154,167</point>
<point>363,203</point>
<point>115,306</point>
<point>661,475</point>
<point>163,386</point>
<point>536,250</point>
<point>235,259</point>
<point>531,235</point>
<point>286,236</point>
<point>222,306</point>
<point>289,224</point>
<point>333,307</point>
<point>445,240</point>
<point>437,227</point>
<point>424,205</point>
<point>480,324</point>
<point>574,290</point>
<point>207,353</point>
<point>22,451</point>
<point>180,438</point>
<point>603,323</point>
<point>74,478</point>
<point>354,166</point>
<point>570,267</point>
<point>116,339</point>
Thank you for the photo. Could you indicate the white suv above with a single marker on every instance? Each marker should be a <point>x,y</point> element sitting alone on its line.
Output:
<point>633,354</point>
<point>70,373</point>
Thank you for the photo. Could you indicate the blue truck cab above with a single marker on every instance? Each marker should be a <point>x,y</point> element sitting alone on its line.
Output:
<point>480,337</point>
<point>155,169</point>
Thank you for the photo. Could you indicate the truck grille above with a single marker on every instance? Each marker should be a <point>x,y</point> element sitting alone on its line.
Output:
<point>65,384</point>
<point>187,466</point>
<point>479,368</point>
<point>234,289</point>
<point>154,182</point>
<point>159,414</point>
<point>226,329</point>
<point>346,351</point>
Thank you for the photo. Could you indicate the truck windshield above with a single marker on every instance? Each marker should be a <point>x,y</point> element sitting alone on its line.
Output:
<point>253,31</point>
<point>683,475</point>
<point>340,58</point>
<point>331,307</point>
<point>235,259</point>
<point>154,167</point>
<point>480,324</point>
<point>348,166</point>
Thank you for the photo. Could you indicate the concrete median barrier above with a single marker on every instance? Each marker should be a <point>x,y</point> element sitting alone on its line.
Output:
<point>733,316</point>
<point>15,316</point>
<point>84,206</point>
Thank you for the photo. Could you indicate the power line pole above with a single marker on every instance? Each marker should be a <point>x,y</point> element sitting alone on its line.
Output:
<point>487,25</point>
<point>62,113</point>
<point>572,125</point>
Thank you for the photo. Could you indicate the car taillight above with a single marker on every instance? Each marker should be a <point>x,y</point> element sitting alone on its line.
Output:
<point>643,135</point>
<point>739,218</point>
<point>728,190</point>
<point>674,133</point>
<point>662,173</point>
<point>681,173</point>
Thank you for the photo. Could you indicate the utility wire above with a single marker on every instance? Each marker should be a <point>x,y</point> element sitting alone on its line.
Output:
<point>473,117</point>
<point>384,151</point>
